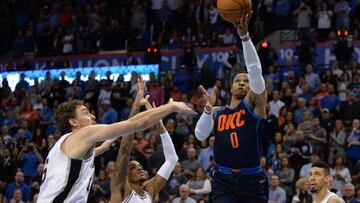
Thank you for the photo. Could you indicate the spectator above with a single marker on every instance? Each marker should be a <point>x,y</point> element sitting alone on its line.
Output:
<point>68,42</point>
<point>317,138</point>
<point>8,169</point>
<point>174,183</point>
<point>326,121</point>
<point>331,101</point>
<point>302,195</point>
<point>324,21</point>
<point>276,193</point>
<point>353,147</point>
<point>276,104</point>
<point>228,38</point>
<point>30,157</point>
<point>348,196</point>
<point>286,177</point>
<point>182,79</point>
<point>342,11</point>
<point>303,13</point>
<point>190,164</point>
<point>305,169</point>
<point>337,141</point>
<point>349,109</point>
<point>184,192</point>
<point>200,186</point>
<point>156,93</point>
<point>341,175</point>
<point>299,113</point>
<point>18,184</point>
<point>17,196</point>
<point>312,79</point>
<point>205,154</point>
<point>300,152</point>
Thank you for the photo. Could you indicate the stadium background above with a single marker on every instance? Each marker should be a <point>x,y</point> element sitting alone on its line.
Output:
<point>193,46</point>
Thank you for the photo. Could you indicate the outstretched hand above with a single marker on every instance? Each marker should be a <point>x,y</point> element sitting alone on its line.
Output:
<point>242,24</point>
<point>209,98</point>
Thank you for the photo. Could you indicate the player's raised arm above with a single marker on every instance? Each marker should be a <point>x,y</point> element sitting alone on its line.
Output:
<point>84,138</point>
<point>134,110</point>
<point>257,97</point>
<point>154,185</point>
<point>205,124</point>
<point>120,187</point>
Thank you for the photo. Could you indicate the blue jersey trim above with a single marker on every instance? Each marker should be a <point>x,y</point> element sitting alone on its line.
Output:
<point>244,171</point>
<point>249,109</point>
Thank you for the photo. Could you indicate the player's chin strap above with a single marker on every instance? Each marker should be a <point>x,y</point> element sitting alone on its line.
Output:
<point>170,156</point>
<point>253,66</point>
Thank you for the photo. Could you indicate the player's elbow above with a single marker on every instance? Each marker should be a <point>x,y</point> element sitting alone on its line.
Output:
<point>174,160</point>
<point>201,136</point>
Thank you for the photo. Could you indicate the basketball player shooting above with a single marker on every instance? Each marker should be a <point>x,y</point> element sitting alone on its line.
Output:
<point>237,129</point>
<point>320,180</point>
<point>69,167</point>
<point>128,183</point>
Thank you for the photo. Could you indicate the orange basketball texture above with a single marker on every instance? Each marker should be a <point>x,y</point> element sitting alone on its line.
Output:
<point>232,10</point>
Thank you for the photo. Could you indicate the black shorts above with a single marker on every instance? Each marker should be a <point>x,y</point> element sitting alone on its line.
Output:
<point>239,188</point>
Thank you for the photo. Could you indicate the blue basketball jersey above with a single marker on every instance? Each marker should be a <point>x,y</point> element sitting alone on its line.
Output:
<point>237,132</point>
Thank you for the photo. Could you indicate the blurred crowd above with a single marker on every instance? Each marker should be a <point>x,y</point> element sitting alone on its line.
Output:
<point>55,27</point>
<point>312,115</point>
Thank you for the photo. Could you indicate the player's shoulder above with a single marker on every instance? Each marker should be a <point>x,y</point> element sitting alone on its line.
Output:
<point>335,199</point>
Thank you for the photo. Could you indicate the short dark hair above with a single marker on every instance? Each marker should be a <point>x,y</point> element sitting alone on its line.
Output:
<point>322,165</point>
<point>242,70</point>
<point>63,113</point>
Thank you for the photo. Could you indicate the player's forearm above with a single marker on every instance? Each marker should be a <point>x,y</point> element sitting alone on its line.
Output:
<point>170,156</point>
<point>125,146</point>
<point>253,66</point>
<point>103,147</point>
<point>141,121</point>
<point>204,126</point>
<point>168,147</point>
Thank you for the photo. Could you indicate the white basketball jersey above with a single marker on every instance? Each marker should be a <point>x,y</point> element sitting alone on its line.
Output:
<point>135,198</point>
<point>65,179</point>
<point>326,199</point>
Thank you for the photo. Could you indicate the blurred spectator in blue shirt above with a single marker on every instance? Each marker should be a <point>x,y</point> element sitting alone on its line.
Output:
<point>110,115</point>
<point>18,184</point>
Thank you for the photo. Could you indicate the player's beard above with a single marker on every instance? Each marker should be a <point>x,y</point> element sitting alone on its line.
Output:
<point>313,190</point>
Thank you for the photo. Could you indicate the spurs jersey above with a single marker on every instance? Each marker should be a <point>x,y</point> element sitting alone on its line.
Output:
<point>65,179</point>
<point>326,199</point>
<point>135,198</point>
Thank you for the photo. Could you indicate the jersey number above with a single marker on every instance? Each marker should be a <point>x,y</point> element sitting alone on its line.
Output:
<point>234,140</point>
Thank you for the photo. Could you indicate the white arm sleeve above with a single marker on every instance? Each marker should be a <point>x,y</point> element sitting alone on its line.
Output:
<point>253,66</point>
<point>204,126</point>
<point>170,156</point>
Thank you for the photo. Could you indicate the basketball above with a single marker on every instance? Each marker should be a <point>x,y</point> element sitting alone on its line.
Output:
<point>232,10</point>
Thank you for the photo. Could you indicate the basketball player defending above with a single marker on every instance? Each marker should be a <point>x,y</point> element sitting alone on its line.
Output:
<point>237,130</point>
<point>320,180</point>
<point>128,184</point>
<point>69,167</point>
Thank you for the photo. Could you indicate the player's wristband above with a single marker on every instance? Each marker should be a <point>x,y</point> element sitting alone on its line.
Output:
<point>244,36</point>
